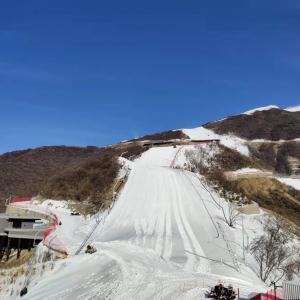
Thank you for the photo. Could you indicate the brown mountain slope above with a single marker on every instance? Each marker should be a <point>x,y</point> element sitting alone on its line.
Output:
<point>271,194</point>
<point>273,124</point>
<point>283,157</point>
<point>26,173</point>
<point>166,135</point>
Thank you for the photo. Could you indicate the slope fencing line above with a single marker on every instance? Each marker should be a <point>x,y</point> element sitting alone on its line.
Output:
<point>220,206</point>
<point>98,221</point>
<point>229,248</point>
<point>215,260</point>
<point>203,203</point>
<point>240,259</point>
<point>86,239</point>
<point>173,161</point>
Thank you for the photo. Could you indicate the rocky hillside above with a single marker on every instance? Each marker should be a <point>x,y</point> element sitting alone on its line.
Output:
<point>280,157</point>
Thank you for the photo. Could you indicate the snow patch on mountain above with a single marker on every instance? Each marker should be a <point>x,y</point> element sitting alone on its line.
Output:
<point>293,182</point>
<point>230,141</point>
<point>250,112</point>
<point>293,108</point>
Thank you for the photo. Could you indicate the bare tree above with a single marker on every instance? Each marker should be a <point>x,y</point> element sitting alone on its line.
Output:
<point>271,253</point>
<point>233,214</point>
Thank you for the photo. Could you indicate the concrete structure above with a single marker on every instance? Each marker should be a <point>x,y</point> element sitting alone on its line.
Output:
<point>18,232</point>
<point>294,163</point>
<point>238,175</point>
<point>157,142</point>
<point>206,141</point>
<point>249,209</point>
<point>14,210</point>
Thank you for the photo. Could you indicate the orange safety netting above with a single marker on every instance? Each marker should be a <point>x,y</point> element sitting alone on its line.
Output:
<point>50,241</point>
<point>270,295</point>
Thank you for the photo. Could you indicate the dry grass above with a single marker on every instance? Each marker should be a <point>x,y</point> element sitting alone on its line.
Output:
<point>87,182</point>
<point>13,262</point>
<point>270,194</point>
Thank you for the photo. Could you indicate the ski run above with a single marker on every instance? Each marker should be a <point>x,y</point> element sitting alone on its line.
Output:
<point>165,238</point>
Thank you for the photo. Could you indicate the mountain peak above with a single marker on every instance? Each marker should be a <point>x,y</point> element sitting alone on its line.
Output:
<point>250,112</point>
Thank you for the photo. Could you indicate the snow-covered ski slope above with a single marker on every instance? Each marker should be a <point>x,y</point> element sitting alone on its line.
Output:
<point>162,240</point>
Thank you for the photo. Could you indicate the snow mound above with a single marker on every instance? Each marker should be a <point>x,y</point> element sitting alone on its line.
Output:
<point>250,112</point>
<point>293,108</point>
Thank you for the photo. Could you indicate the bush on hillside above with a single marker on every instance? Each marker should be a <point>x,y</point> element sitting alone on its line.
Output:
<point>230,160</point>
<point>265,154</point>
<point>89,181</point>
<point>268,157</point>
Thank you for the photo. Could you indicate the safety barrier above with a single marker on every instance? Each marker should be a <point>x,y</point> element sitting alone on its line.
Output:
<point>173,161</point>
<point>270,295</point>
<point>53,242</point>
<point>21,199</point>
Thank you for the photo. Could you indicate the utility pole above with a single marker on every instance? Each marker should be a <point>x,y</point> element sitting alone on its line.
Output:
<point>275,287</point>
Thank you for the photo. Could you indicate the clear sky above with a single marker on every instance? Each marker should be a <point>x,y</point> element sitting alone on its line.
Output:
<point>97,72</point>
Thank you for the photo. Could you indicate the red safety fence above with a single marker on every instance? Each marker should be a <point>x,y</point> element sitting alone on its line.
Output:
<point>21,199</point>
<point>173,161</point>
<point>270,295</point>
<point>53,242</point>
<point>52,227</point>
<point>49,240</point>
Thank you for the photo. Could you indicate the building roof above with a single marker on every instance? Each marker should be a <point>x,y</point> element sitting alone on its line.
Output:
<point>157,142</point>
<point>34,233</point>
<point>19,217</point>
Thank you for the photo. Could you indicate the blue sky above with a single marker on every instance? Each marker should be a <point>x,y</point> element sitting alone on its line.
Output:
<point>97,72</point>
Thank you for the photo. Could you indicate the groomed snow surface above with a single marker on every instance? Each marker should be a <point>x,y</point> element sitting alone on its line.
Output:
<point>162,240</point>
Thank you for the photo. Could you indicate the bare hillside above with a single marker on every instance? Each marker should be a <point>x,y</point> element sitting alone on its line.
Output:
<point>273,124</point>
<point>28,172</point>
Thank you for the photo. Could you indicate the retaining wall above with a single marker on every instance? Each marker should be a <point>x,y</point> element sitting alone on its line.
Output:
<point>234,176</point>
<point>249,209</point>
<point>22,211</point>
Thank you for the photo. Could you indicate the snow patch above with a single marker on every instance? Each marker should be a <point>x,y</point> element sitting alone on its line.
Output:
<point>293,108</point>
<point>250,112</point>
<point>246,170</point>
<point>230,141</point>
<point>295,183</point>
